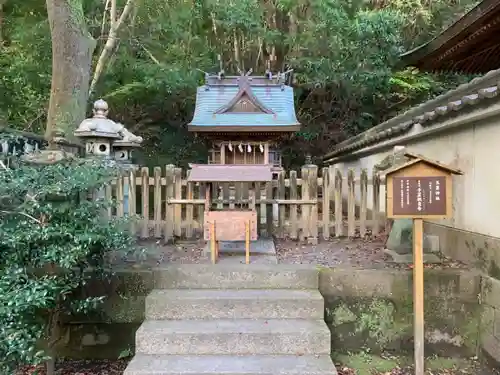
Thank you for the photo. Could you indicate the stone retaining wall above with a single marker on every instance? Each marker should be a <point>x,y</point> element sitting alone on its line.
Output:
<point>364,308</point>
<point>373,309</point>
<point>483,253</point>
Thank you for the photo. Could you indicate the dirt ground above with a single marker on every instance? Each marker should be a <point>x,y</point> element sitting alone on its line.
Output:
<point>71,367</point>
<point>470,367</point>
<point>358,253</point>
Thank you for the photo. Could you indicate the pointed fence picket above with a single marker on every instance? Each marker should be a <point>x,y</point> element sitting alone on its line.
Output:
<point>315,203</point>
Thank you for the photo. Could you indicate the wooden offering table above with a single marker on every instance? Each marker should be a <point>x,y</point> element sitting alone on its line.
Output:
<point>230,225</point>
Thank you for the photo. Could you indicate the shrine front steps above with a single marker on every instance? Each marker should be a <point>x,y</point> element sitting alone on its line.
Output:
<point>236,276</point>
<point>234,320</point>
<point>230,365</point>
<point>176,304</point>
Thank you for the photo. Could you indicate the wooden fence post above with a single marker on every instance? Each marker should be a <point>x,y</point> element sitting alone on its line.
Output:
<point>269,209</point>
<point>313,193</point>
<point>258,207</point>
<point>132,201</point>
<point>310,211</point>
<point>376,203</point>
<point>189,209</point>
<point>363,186</point>
<point>178,207</point>
<point>108,194</point>
<point>304,208</point>
<point>281,207</point>
<point>145,202</point>
<point>201,208</point>
<point>293,207</point>
<point>157,202</point>
<point>169,209</point>
<point>326,203</point>
<point>351,204</point>
<point>119,196</point>
<point>339,225</point>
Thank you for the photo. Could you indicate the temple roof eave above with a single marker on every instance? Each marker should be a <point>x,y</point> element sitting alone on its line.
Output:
<point>456,48</point>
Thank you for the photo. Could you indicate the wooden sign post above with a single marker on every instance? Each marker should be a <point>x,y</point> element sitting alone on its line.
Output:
<point>420,189</point>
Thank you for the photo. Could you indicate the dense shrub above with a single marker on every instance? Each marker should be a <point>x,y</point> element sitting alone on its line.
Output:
<point>51,235</point>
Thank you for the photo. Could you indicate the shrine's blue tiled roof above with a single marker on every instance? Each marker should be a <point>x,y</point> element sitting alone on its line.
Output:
<point>277,98</point>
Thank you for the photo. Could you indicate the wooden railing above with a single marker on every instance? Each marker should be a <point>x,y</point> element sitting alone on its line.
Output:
<point>307,205</point>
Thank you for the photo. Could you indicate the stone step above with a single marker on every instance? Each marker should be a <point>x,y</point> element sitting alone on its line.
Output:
<point>234,304</point>
<point>236,276</point>
<point>229,365</point>
<point>236,336</point>
<point>263,246</point>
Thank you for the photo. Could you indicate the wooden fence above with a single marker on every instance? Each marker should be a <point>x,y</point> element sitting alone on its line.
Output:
<point>307,205</point>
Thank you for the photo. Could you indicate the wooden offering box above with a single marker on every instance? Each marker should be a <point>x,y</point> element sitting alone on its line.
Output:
<point>230,225</point>
<point>421,188</point>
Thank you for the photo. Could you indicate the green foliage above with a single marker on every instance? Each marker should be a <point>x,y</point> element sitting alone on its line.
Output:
<point>50,240</point>
<point>25,63</point>
<point>343,53</point>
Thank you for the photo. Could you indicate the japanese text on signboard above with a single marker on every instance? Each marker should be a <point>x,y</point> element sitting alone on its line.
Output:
<point>419,196</point>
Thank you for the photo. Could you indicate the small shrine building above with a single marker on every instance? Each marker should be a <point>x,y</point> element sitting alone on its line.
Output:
<point>244,118</point>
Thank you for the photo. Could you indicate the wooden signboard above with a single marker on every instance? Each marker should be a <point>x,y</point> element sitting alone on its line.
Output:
<point>419,189</point>
<point>230,225</point>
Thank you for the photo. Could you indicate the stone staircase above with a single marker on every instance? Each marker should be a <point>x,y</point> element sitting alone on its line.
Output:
<point>234,319</point>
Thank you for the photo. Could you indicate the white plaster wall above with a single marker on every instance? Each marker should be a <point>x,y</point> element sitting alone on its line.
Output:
<point>473,148</point>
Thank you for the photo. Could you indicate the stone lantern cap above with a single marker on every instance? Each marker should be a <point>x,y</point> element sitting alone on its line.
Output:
<point>99,126</point>
<point>129,139</point>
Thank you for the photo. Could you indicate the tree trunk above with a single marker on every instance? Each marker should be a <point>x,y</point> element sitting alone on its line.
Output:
<point>112,40</point>
<point>72,49</point>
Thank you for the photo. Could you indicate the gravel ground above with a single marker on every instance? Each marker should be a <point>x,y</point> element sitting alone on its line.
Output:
<point>88,367</point>
<point>345,252</point>
<point>472,369</point>
<point>154,254</point>
<point>106,367</point>
<point>358,253</point>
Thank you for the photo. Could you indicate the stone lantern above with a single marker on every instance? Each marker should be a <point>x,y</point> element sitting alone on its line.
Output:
<point>99,132</point>
<point>123,148</point>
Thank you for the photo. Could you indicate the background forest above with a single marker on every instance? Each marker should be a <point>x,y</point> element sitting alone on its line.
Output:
<point>146,58</point>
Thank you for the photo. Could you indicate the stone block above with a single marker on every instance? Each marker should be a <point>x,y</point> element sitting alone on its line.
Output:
<point>124,309</point>
<point>98,340</point>
<point>234,304</point>
<point>386,323</point>
<point>491,345</point>
<point>477,250</point>
<point>360,283</point>
<point>491,292</point>
<point>236,276</point>
<point>240,365</point>
<point>233,337</point>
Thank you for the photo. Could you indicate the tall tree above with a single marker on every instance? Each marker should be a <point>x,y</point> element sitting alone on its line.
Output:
<point>72,50</point>
<point>116,23</point>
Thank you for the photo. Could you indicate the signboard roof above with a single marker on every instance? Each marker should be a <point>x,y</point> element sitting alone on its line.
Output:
<point>416,158</point>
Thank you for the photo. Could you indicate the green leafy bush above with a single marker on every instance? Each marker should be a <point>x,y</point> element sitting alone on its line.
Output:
<point>52,240</point>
